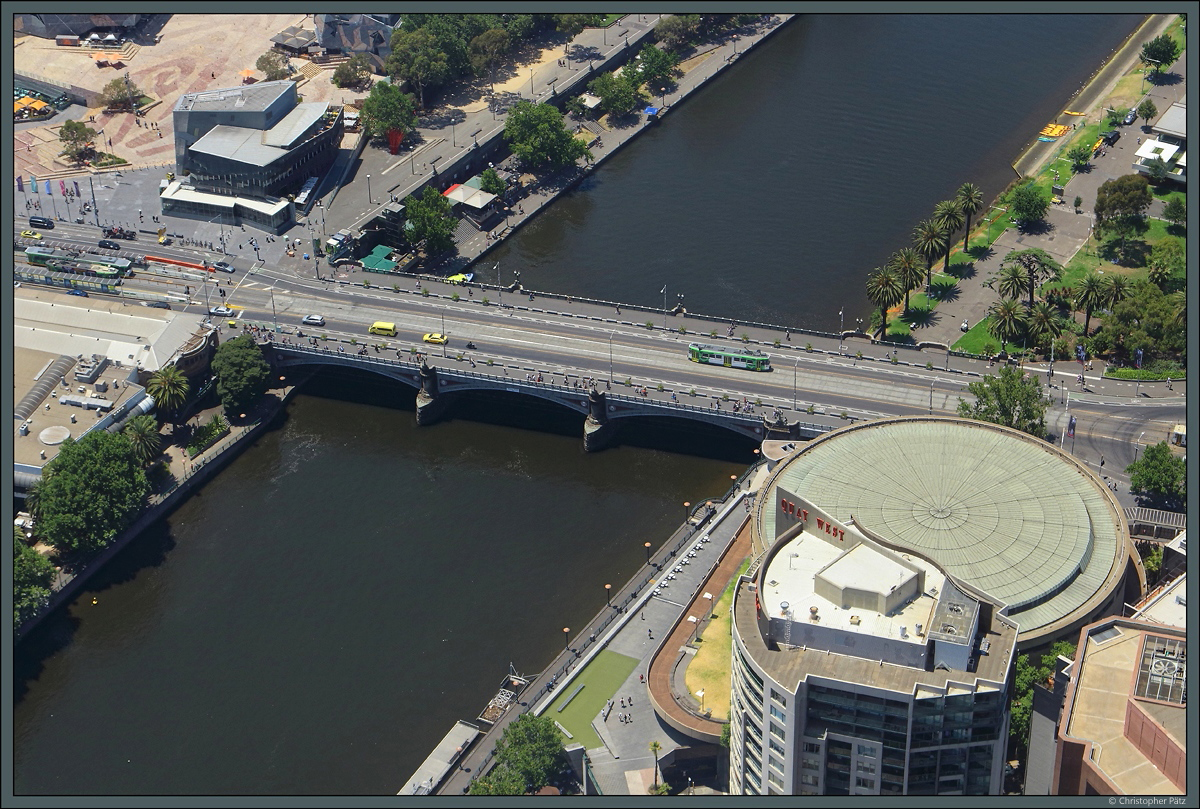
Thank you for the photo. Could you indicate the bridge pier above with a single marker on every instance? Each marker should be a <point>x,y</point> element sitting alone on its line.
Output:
<point>430,405</point>
<point>598,431</point>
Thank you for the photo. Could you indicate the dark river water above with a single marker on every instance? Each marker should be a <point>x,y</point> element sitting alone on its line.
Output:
<point>318,616</point>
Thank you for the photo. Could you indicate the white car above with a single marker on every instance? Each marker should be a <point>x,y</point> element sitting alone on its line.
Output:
<point>221,311</point>
<point>314,320</point>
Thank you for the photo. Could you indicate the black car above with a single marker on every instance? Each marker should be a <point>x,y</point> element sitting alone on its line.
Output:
<point>1111,136</point>
<point>109,245</point>
<point>1130,117</point>
<point>157,304</point>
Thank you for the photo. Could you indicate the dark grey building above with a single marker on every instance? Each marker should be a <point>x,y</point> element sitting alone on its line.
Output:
<point>57,25</point>
<point>240,151</point>
<point>369,34</point>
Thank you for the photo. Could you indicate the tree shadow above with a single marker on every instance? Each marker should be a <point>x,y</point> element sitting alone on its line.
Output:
<point>1165,79</point>
<point>1039,227</point>
<point>961,270</point>
<point>944,292</point>
<point>980,252</point>
<point>443,118</point>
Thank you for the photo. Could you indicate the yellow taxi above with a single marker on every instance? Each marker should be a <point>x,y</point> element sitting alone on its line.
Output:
<point>435,338</point>
<point>31,234</point>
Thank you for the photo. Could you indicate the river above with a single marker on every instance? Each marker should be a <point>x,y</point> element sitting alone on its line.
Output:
<point>316,618</point>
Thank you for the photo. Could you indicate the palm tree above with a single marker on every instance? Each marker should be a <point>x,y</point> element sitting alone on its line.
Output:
<point>1043,322</point>
<point>1178,300</point>
<point>142,432</point>
<point>169,387</point>
<point>906,262</point>
<point>929,240</point>
<point>1038,266</point>
<point>1007,320</point>
<point>1159,274</point>
<point>654,748</point>
<point>1118,290</point>
<point>970,202</point>
<point>949,217</point>
<point>1011,281</point>
<point>1089,294</point>
<point>885,290</point>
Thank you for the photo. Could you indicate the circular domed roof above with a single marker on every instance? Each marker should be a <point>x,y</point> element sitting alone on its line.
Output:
<point>1005,512</point>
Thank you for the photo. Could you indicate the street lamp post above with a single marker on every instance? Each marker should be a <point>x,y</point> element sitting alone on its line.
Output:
<point>1153,62</point>
<point>371,201</point>
<point>795,374</point>
<point>931,398</point>
<point>664,294</point>
<point>608,594</point>
<point>531,95</point>
<point>1137,446</point>
<point>841,329</point>
<point>687,510</point>
<point>610,357</point>
<point>647,553</point>
<point>566,637</point>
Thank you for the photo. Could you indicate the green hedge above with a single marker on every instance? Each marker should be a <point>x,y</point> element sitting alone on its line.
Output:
<point>207,435</point>
<point>1145,374</point>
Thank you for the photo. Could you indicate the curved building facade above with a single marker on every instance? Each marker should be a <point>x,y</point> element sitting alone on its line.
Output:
<point>901,565</point>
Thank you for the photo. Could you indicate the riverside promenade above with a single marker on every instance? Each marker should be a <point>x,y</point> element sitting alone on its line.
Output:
<point>643,620</point>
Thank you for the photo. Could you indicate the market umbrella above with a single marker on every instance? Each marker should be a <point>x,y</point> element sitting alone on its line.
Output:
<point>22,102</point>
<point>37,105</point>
<point>247,72</point>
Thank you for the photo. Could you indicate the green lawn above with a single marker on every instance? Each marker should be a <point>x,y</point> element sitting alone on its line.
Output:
<point>601,678</point>
<point>709,668</point>
<point>974,341</point>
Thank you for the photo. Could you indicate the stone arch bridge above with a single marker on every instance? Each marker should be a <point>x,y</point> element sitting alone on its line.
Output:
<point>437,387</point>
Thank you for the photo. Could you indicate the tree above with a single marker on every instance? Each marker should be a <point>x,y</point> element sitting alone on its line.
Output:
<point>531,747</point>
<point>677,31</point>
<point>417,58</point>
<point>1080,156</point>
<point>617,93</point>
<point>1145,319</point>
<point>487,50</point>
<point>1010,398</point>
<point>1158,472</point>
<point>929,239</point>
<point>1121,204</point>
<point>1152,561</point>
<point>352,72</point>
<point>1043,323</point>
<point>142,432</point>
<point>90,492</point>
<point>1167,259</point>
<point>573,24</point>
<point>120,94</point>
<point>1116,289</point>
<point>906,262</point>
<point>76,138</point>
<point>655,747</point>
<point>490,182</point>
<point>1157,170</point>
<point>1037,265</point>
<point>500,781</point>
<point>655,67</point>
<point>970,202</point>
<point>274,64</point>
<point>1011,280</point>
<point>1028,204</point>
<point>169,389</point>
<point>32,577</point>
<point>885,289</point>
<point>1147,111</point>
<point>1006,321</point>
<point>948,216</point>
<point>1175,211</point>
<point>386,109</point>
<point>431,221</point>
<point>1089,295</point>
<point>536,134</point>
<point>242,374</point>
<point>1161,52</point>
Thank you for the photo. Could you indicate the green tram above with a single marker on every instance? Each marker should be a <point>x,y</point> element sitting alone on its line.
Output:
<point>81,264</point>
<point>730,358</point>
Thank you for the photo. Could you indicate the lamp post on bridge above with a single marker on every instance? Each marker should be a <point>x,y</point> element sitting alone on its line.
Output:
<point>608,594</point>
<point>647,553</point>
<point>610,357</point>
<point>795,374</point>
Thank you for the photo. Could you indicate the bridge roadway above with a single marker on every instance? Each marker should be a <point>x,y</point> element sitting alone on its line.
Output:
<point>566,339</point>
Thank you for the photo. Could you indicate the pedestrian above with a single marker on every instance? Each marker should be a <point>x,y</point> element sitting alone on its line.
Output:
<point>643,616</point>
<point>630,702</point>
<point>622,702</point>
<point>641,678</point>
<point>650,633</point>
<point>1169,383</point>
